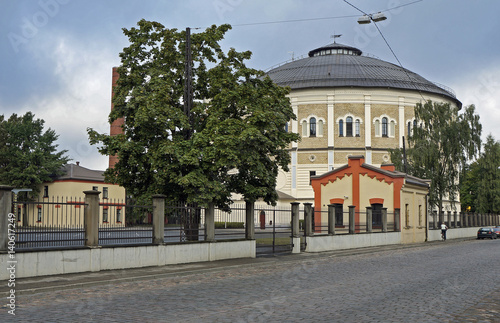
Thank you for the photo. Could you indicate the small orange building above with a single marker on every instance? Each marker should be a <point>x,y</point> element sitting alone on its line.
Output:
<point>363,185</point>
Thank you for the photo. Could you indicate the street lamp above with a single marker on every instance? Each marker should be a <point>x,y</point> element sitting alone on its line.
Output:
<point>366,19</point>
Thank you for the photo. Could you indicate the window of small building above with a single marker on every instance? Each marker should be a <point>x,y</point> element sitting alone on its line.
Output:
<point>341,128</point>
<point>348,126</point>
<point>384,127</point>
<point>407,215</point>
<point>420,215</point>
<point>339,215</point>
<point>95,188</point>
<point>105,215</point>
<point>377,214</point>
<point>358,130</point>
<point>104,192</point>
<point>39,215</point>
<point>45,191</point>
<point>312,127</point>
<point>118,215</point>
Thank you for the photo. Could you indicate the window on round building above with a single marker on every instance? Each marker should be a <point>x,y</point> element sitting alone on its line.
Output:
<point>384,127</point>
<point>348,130</point>
<point>341,128</point>
<point>312,127</point>
<point>357,126</point>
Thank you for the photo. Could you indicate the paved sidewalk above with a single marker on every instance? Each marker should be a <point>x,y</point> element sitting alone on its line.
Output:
<point>66,281</point>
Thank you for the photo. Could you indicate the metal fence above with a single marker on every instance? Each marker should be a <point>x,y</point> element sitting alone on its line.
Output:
<point>184,223</point>
<point>123,223</point>
<point>49,223</point>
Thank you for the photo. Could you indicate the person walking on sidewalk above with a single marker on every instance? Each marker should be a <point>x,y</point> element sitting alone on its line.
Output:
<point>443,231</point>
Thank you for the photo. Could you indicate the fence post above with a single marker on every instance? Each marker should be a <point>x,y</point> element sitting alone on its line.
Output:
<point>369,219</point>
<point>5,210</point>
<point>91,218</point>
<point>397,219</point>
<point>384,219</point>
<point>331,219</point>
<point>295,227</point>
<point>308,219</point>
<point>352,219</point>
<point>210,222</point>
<point>158,219</point>
<point>249,225</point>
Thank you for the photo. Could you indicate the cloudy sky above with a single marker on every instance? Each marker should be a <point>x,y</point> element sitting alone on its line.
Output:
<point>57,55</point>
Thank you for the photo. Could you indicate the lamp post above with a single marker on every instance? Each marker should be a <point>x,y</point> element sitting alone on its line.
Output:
<point>367,18</point>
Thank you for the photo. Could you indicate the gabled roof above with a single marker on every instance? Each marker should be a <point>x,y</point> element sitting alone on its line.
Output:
<point>77,172</point>
<point>385,172</point>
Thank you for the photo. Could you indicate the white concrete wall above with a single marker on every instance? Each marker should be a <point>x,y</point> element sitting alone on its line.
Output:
<point>32,264</point>
<point>459,233</point>
<point>350,241</point>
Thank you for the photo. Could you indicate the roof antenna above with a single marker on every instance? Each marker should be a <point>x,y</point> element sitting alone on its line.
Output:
<point>293,58</point>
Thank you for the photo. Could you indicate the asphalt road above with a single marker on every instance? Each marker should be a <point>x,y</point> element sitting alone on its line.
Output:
<point>433,282</point>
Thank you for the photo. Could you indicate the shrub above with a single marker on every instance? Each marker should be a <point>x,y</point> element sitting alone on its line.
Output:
<point>229,225</point>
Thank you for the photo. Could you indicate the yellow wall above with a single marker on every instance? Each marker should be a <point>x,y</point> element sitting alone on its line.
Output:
<point>413,214</point>
<point>65,212</point>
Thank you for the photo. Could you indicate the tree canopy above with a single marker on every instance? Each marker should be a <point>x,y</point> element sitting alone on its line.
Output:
<point>441,143</point>
<point>488,187</point>
<point>233,140</point>
<point>28,154</point>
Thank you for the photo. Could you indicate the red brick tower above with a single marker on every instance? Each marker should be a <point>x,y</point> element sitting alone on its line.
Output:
<point>116,126</point>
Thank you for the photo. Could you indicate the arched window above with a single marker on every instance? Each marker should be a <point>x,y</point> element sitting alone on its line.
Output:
<point>392,128</point>
<point>320,128</point>
<point>384,127</point>
<point>312,127</point>
<point>414,125</point>
<point>286,127</point>
<point>341,128</point>
<point>357,123</point>
<point>348,127</point>
<point>377,128</point>
<point>304,128</point>
<point>409,128</point>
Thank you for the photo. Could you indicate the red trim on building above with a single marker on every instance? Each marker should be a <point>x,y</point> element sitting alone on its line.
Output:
<point>336,201</point>
<point>376,201</point>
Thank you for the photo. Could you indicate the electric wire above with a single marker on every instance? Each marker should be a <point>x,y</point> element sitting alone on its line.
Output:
<point>390,48</point>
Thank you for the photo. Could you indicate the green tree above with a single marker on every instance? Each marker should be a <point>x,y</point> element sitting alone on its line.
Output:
<point>232,141</point>
<point>441,144</point>
<point>488,179</point>
<point>28,154</point>
<point>469,186</point>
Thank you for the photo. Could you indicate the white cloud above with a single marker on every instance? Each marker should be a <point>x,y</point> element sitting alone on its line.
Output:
<point>482,88</point>
<point>83,98</point>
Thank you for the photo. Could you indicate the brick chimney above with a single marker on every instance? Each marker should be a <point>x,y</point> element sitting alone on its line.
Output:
<point>116,126</point>
<point>389,167</point>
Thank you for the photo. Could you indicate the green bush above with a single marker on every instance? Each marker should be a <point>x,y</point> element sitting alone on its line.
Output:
<point>229,225</point>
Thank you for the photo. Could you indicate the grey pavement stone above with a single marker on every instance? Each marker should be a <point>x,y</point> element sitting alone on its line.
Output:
<point>440,282</point>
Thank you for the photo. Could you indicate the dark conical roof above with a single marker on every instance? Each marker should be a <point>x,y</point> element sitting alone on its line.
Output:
<point>338,65</point>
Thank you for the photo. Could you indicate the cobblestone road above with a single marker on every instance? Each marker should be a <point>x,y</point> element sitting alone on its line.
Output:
<point>438,282</point>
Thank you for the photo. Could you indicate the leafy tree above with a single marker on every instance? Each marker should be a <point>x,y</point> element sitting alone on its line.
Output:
<point>440,145</point>
<point>232,140</point>
<point>28,155</point>
<point>488,179</point>
<point>469,187</point>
